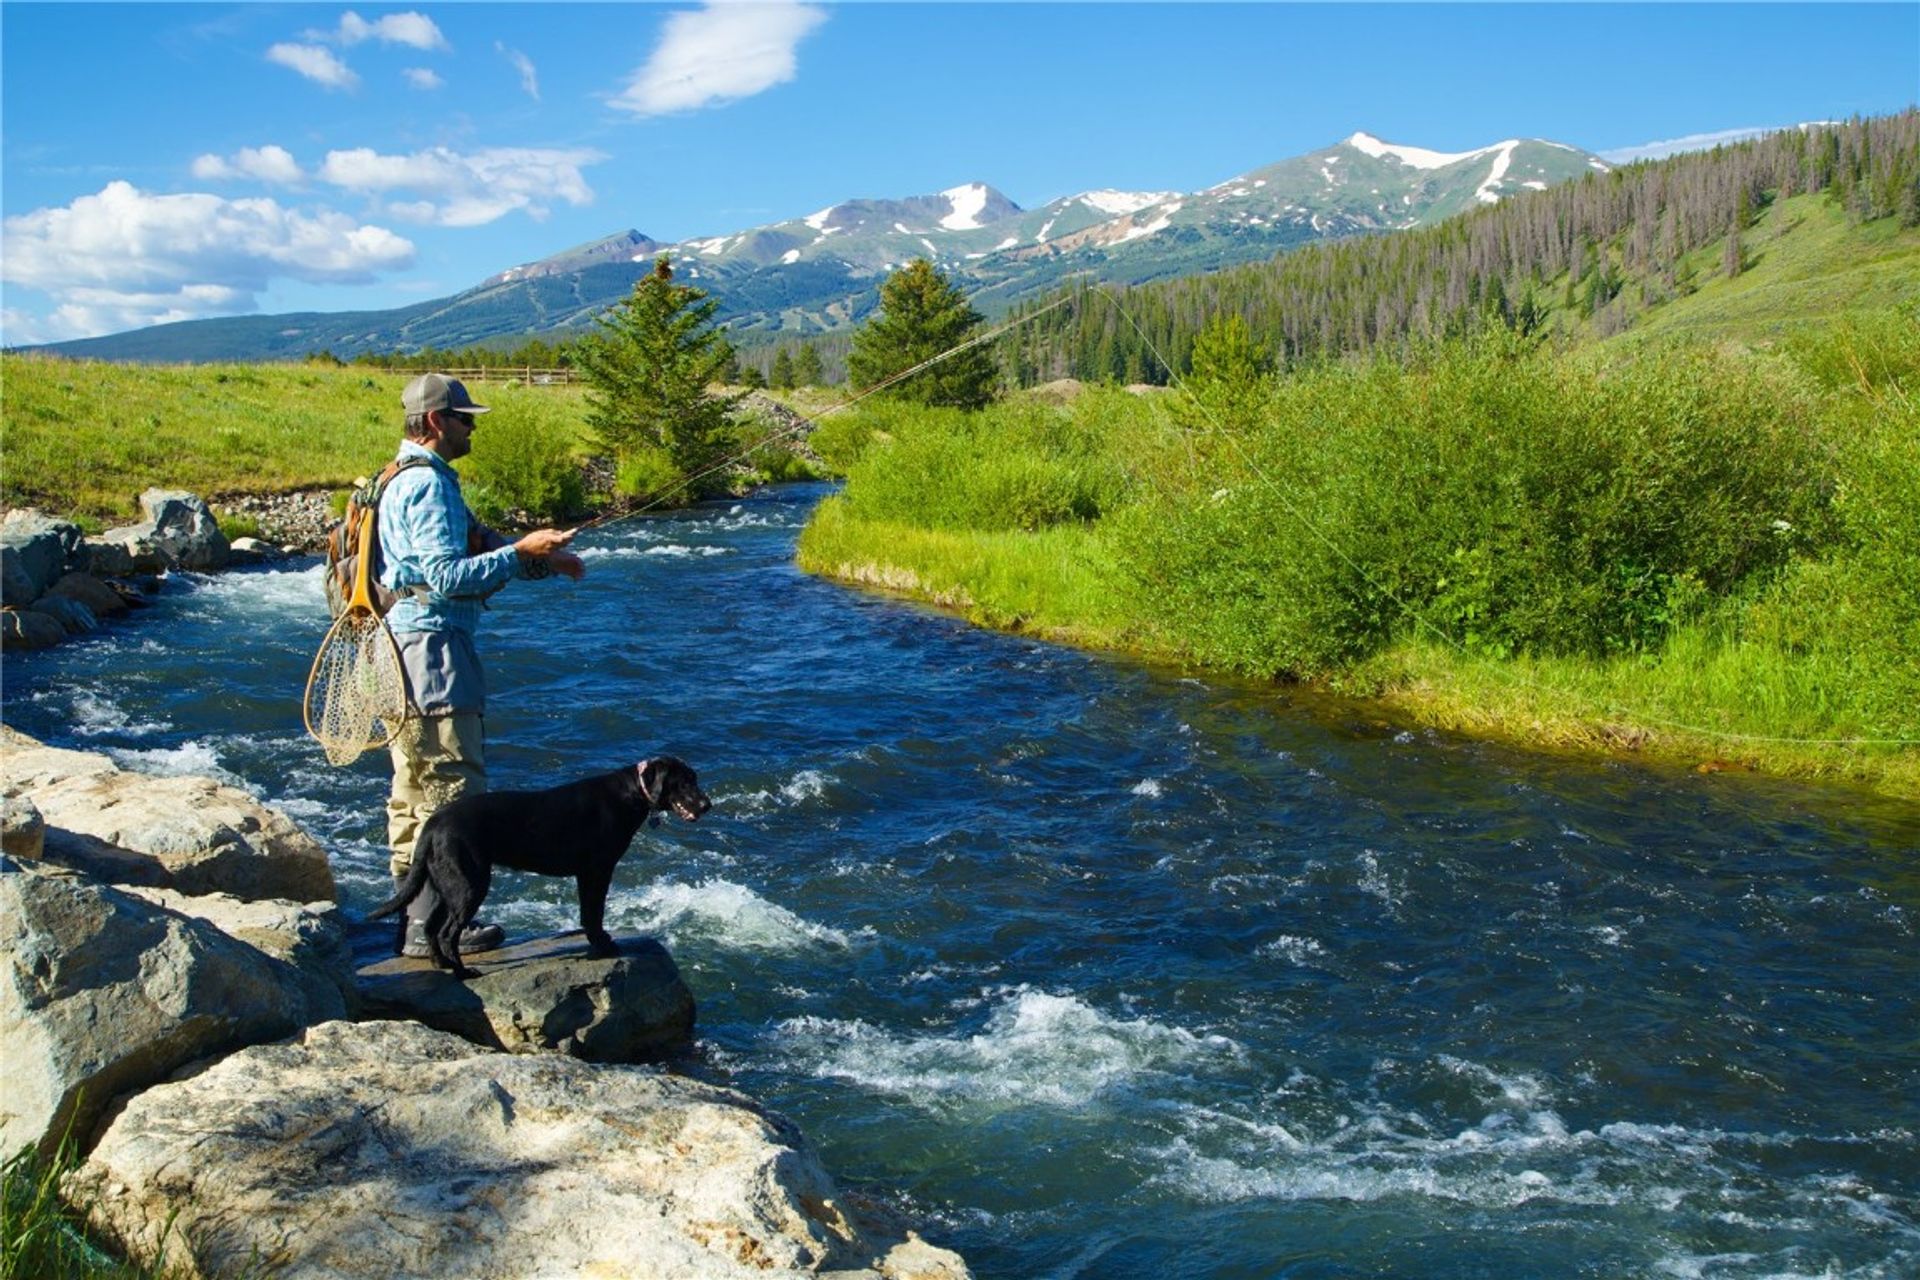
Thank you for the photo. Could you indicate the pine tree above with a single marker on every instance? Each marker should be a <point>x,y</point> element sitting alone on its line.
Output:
<point>648,364</point>
<point>922,316</point>
<point>806,367</point>
<point>782,376</point>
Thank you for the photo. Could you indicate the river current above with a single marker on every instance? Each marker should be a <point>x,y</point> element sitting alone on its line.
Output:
<point>1114,973</point>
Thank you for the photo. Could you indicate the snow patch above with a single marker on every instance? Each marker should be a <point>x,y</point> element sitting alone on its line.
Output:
<point>903,229</point>
<point>1008,243</point>
<point>1160,223</point>
<point>1114,203</point>
<point>967,203</point>
<point>1485,193</point>
<point>1042,237</point>
<point>818,221</point>
<point>790,257</point>
<point>1420,157</point>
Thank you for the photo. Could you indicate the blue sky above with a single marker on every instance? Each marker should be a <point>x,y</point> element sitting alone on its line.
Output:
<point>168,161</point>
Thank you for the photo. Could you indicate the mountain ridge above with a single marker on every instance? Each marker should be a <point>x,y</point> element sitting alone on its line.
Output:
<point>820,272</point>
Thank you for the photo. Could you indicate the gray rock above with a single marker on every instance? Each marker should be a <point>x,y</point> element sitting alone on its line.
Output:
<point>107,559</point>
<point>28,629</point>
<point>35,549</point>
<point>75,617</point>
<point>251,551</point>
<point>140,547</point>
<point>385,1148</point>
<point>202,837</point>
<point>100,599</point>
<point>104,993</point>
<point>185,530</point>
<point>23,831</point>
<point>309,937</point>
<point>546,995</point>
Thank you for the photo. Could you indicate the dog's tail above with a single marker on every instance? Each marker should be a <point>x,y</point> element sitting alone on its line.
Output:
<point>409,890</point>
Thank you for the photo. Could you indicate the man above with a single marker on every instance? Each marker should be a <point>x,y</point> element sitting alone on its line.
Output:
<point>444,563</point>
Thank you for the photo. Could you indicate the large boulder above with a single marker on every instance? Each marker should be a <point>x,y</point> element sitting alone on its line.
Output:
<point>184,529</point>
<point>84,588</point>
<point>309,937</point>
<point>109,559</point>
<point>200,836</point>
<point>546,996</point>
<point>75,618</point>
<point>29,629</point>
<point>35,549</point>
<point>102,993</point>
<point>386,1148</point>
<point>132,545</point>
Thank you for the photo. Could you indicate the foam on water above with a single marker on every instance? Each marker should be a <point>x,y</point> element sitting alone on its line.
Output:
<point>94,715</point>
<point>1148,787</point>
<point>1035,1049</point>
<point>729,914</point>
<point>200,757</point>
<point>300,591</point>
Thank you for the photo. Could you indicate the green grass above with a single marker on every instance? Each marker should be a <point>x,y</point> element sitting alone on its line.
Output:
<point>45,1233</point>
<point>1807,265</point>
<point>1055,583</point>
<point>82,439</point>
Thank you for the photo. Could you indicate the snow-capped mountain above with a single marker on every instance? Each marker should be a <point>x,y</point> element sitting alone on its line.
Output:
<point>820,271</point>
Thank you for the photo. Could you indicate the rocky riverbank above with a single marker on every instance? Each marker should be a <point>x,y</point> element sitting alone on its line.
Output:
<point>181,998</point>
<point>56,582</point>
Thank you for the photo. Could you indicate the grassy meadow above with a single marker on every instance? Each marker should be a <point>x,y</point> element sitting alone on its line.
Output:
<point>1687,549</point>
<point>82,439</point>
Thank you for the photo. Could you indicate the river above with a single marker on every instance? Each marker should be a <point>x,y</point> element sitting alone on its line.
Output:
<point>1115,973</point>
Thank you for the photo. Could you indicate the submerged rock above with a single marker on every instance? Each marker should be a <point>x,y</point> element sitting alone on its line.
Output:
<point>546,995</point>
<point>386,1148</point>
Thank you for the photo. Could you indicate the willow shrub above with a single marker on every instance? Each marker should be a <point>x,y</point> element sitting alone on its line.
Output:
<point>525,457</point>
<point>1855,611</point>
<point>1510,499</point>
<point>1012,466</point>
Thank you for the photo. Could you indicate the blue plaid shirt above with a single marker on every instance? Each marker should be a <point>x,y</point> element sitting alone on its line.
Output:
<point>424,524</point>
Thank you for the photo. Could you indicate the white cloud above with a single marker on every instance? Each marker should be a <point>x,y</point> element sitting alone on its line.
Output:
<point>124,257</point>
<point>529,76</point>
<point>1674,146</point>
<point>719,53</point>
<point>269,164</point>
<point>465,189</point>
<point>415,29</point>
<point>423,78</point>
<point>315,63</point>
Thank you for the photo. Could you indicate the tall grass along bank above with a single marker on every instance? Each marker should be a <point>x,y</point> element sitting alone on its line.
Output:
<point>1688,550</point>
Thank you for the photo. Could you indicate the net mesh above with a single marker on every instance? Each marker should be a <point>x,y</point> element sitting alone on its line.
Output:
<point>356,694</point>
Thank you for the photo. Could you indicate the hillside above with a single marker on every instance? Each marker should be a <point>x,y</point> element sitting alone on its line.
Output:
<point>1743,240</point>
<point>820,273</point>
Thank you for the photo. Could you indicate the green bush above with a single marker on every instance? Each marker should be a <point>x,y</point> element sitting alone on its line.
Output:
<point>523,460</point>
<point>1012,466</point>
<point>238,526</point>
<point>1513,500</point>
<point>648,474</point>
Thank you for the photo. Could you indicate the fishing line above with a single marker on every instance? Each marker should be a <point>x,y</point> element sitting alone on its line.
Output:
<point>1540,686</point>
<point>807,423</point>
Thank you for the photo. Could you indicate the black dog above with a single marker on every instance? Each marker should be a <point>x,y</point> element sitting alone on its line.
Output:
<point>581,830</point>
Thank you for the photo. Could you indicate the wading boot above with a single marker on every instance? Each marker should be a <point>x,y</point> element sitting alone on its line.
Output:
<point>478,936</point>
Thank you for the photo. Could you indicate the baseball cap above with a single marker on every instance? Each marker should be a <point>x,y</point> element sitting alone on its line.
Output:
<point>432,391</point>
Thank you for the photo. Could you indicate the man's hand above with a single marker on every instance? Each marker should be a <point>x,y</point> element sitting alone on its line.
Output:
<point>542,543</point>
<point>550,545</point>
